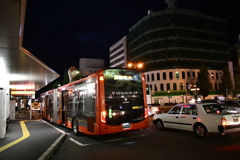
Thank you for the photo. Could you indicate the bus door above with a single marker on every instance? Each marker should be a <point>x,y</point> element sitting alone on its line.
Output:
<point>63,104</point>
<point>90,101</point>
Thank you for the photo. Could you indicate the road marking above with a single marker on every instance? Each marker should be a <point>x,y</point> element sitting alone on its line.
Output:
<point>112,140</point>
<point>25,132</point>
<point>54,127</point>
<point>78,143</point>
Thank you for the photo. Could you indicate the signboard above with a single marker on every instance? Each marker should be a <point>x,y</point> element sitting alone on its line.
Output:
<point>35,106</point>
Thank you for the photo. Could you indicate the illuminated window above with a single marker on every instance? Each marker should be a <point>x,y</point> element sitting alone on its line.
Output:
<point>212,75</point>
<point>177,75</point>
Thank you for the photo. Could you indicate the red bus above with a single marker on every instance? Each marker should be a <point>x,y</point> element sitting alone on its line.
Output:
<point>108,101</point>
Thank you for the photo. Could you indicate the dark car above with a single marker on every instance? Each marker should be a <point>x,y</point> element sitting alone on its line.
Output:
<point>210,101</point>
<point>231,106</point>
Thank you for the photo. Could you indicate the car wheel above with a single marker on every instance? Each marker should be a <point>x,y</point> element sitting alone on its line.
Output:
<point>200,130</point>
<point>160,125</point>
<point>75,127</point>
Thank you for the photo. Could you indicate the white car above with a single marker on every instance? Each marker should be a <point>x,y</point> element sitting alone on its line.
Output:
<point>152,110</point>
<point>202,118</point>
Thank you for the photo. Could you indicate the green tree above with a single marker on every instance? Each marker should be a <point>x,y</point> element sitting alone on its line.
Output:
<point>203,81</point>
<point>237,85</point>
<point>66,78</point>
<point>226,85</point>
<point>77,77</point>
<point>55,85</point>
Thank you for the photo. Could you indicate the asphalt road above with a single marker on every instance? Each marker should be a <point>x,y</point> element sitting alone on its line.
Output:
<point>149,144</point>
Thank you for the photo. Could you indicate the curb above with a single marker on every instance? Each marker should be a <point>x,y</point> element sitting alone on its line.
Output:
<point>46,155</point>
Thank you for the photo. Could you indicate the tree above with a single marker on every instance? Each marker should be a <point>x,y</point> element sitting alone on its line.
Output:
<point>226,85</point>
<point>203,81</point>
<point>66,78</point>
<point>77,77</point>
<point>55,85</point>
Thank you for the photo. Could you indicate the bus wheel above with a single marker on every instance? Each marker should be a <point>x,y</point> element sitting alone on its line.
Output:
<point>75,126</point>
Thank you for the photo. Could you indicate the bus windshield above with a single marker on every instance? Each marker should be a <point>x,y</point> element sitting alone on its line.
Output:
<point>122,82</point>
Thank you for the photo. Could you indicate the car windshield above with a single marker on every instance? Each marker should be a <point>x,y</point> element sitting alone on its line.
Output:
<point>211,108</point>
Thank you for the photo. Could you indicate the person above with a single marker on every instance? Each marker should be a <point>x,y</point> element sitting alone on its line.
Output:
<point>22,107</point>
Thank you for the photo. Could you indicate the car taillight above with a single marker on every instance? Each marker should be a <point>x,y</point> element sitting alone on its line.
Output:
<point>103,116</point>
<point>223,121</point>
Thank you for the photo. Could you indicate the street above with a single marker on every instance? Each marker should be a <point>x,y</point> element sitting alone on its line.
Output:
<point>149,144</point>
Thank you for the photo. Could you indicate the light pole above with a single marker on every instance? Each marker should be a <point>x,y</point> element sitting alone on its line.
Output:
<point>168,96</point>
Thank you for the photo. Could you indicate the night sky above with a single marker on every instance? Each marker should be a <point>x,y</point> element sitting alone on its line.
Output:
<point>60,32</point>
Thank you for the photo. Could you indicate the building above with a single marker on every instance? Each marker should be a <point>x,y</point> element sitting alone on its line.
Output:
<point>174,43</point>
<point>235,58</point>
<point>21,72</point>
<point>88,66</point>
<point>118,54</point>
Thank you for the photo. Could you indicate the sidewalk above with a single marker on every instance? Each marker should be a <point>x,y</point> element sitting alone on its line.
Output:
<point>30,139</point>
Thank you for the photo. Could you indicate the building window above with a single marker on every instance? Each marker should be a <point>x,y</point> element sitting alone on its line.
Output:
<point>217,76</point>
<point>193,75</point>
<point>161,87</point>
<point>212,75</point>
<point>177,75</point>
<point>164,76</point>
<point>174,86</point>
<point>155,87</point>
<point>216,88</point>
<point>183,75</point>
<point>168,86</point>
<point>188,75</point>
<point>152,77</point>
<point>170,75</point>
<point>181,86</point>
<point>148,78</point>
<point>158,76</point>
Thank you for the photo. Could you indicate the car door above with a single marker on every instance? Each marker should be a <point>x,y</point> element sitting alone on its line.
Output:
<point>188,117</point>
<point>171,119</point>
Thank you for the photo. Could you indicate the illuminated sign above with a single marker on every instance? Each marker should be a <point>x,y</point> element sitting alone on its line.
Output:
<point>22,92</point>
<point>122,77</point>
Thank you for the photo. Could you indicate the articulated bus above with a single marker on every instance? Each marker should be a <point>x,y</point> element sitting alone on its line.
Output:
<point>108,101</point>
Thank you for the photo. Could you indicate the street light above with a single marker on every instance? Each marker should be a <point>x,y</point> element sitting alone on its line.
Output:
<point>195,89</point>
<point>135,65</point>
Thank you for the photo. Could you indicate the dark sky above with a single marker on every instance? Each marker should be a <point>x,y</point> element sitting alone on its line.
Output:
<point>60,32</point>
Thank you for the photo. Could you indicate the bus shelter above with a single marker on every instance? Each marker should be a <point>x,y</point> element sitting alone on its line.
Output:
<point>20,71</point>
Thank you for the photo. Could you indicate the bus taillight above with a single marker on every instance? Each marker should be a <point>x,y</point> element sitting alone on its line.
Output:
<point>146,112</point>
<point>101,78</point>
<point>103,116</point>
